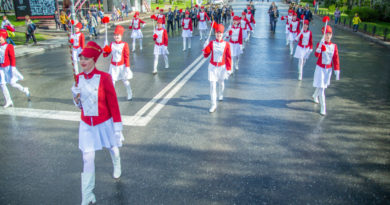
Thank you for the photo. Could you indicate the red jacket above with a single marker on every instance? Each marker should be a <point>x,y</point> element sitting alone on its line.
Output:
<point>205,17</point>
<point>247,24</point>
<point>239,40</point>
<point>107,101</point>
<point>139,23</point>
<point>161,16</point>
<point>226,58</point>
<point>189,23</point>
<point>161,34</point>
<point>310,40</point>
<point>124,53</point>
<point>331,50</point>
<point>81,40</point>
<point>9,55</point>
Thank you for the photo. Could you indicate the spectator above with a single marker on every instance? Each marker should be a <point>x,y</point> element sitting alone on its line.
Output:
<point>92,24</point>
<point>127,10</point>
<point>307,13</point>
<point>6,24</point>
<point>300,11</point>
<point>64,20</point>
<point>273,16</point>
<point>170,17</point>
<point>93,11</point>
<point>337,15</point>
<point>30,30</point>
<point>57,20</point>
<point>355,21</point>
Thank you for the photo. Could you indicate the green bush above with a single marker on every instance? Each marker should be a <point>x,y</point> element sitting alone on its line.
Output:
<point>332,8</point>
<point>365,13</point>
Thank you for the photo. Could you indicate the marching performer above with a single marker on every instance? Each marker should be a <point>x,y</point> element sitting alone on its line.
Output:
<point>235,34</point>
<point>101,124</point>
<point>137,33</point>
<point>77,41</point>
<point>328,57</point>
<point>293,31</point>
<point>187,30</point>
<point>288,19</point>
<point>251,19</point>
<point>120,61</point>
<point>220,65</point>
<point>160,38</point>
<point>304,47</point>
<point>8,72</point>
<point>162,17</point>
<point>246,26</point>
<point>202,26</point>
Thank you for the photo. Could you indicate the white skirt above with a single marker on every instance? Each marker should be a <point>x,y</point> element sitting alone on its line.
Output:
<point>217,73</point>
<point>322,77</point>
<point>235,49</point>
<point>287,31</point>
<point>92,138</point>
<point>244,34</point>
<point>202,25</point>
<point>292,36</point>
<point>160,50</point>
<point>303,53</point>
<point>136,34</point>
<point>120,72</point>
<point>186,33</point>
<point>9,74</point>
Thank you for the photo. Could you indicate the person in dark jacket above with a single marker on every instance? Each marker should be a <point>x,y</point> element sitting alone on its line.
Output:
<point>307,13</point>
<point>273,17</point>
<point>176,16</point>
<point>194,14</point>
<point>170,19</point>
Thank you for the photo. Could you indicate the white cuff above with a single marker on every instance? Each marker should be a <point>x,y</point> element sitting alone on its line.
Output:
<point>337,74</point>
<point>118,127</point>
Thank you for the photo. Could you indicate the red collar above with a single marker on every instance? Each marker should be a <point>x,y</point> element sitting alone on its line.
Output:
<point>90,75</point>
<point>159,29</point>
<point>219,41</point>
<point>3,43</point>
<point>328,43</point>
<point>118,42</point>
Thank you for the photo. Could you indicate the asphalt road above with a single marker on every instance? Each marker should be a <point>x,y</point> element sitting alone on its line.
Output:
<point>265,144</point>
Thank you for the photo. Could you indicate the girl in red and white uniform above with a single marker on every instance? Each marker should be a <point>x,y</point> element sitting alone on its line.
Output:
<point>160,38</point>
<point>162,17</point>
<point>246,27</point>
<point>251,19</point>
<point>8,72</point>
<point>328,57</point>
<point>137,33</point>
<point>202,16</point>
<point>187,30</point>
<point>120,61</point>
<point>304,47</point>
<point>220,65</point>
<point>101,124</point>
<point>294,30</point>
<point>235,35</point>
<point>77,41</point>
<point>288,19</point>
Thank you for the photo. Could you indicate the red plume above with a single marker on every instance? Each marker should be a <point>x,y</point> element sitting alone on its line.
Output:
<point>107,49</point>
<point>282,18</point>
<point>155,35</point>
<point>105,19</point>
<point>181,10</point>
<point>153,17</point>
<point>130,27</point>
<point>325,19</point>
<point>71,41</point>
<point>323,48</point>
<point>157,8</point>
<point>232,13</point>
<point>302,16</point>
<point>72,22</point>
<point>230,32</point>
<point>207,50</point>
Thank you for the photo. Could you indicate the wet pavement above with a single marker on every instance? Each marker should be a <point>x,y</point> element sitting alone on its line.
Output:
<point>266,143</point>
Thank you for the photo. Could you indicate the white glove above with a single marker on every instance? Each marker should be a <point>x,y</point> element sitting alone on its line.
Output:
<point>143,25</point>
<point>241,47</point>
<point>229,72</point>
<point>206,43</point>
<point>76,96</point>
<point>129,73</point>
<point>308,54</point>
<point>337,74</point>
<point>119,136</point>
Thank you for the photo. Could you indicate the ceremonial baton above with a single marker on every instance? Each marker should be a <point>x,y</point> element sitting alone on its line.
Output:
<point>105,21</point>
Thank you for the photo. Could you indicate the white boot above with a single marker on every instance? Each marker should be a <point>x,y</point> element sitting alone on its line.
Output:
<point>322,102</point>
<point>155,64</point>
<point>200,32</point>
<point>133,46</point>
<point>140,44</point>
<point>166,61</point>
<point>7,96</point>
<point>189,43</point>
<point>213,96</point>
<point>291,47</point>
<point>236,62</point>
<point>116,162</point>
<point>27,92</point>
<point>129,91</point>
<point>220,90</point>
<point>315,96</point>
<point>87,186</point>
<point>184,44</point>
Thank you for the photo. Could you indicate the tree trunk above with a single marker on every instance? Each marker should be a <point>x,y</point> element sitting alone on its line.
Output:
<point>350,4</point>
<point>360,3</point>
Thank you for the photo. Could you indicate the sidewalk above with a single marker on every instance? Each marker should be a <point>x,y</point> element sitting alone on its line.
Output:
<point>60,38</point>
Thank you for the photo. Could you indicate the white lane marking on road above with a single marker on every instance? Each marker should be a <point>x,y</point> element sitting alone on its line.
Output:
<point>137,120</point>
<point>145,120</point>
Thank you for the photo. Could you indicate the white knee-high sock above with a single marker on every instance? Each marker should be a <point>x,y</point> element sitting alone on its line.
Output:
<point>6,94</point>
<point>166,60</point>
<point>114,151</point>
<point>221,87</point>
<point>213,93</point>
<point>134,44</point>
<point>184,43</point>
<point>189,42</point>
<point>201,34</point>
<point>291,47</point>
<point>236,59</point>
<point>322,100</point>
<point>18,86</point>
<point>155,63</point>
<point>300,68</point>
<point>89,162</point>
<point>140,43</point>
<point>287,38</point>
<point>128,89</point>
